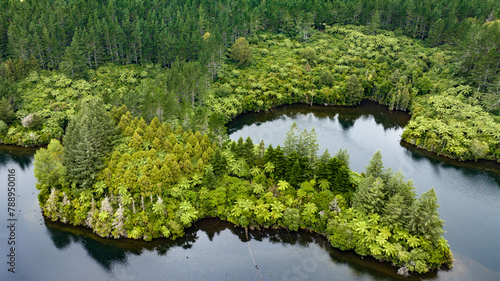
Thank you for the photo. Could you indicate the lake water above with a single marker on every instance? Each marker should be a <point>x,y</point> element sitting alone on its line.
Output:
<point>469,195</point>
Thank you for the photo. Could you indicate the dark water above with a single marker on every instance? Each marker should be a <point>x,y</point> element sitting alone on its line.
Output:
<point>469,193</point>
<point>214,250</point>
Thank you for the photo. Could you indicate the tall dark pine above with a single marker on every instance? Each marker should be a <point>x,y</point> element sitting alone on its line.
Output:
<point>73,63</point>
<point>88,139</point>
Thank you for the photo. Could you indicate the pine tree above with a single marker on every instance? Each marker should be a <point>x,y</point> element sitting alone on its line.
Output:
<point>291,139</point>
<point>219,162</point>
<point>89,138</point>
<point>376,167</point>
<point>369,197</point>
<point>73,62</point>
<point>424,217</point>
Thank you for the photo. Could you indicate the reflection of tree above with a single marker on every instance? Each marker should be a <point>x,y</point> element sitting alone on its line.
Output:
<point>468,169</point>
<point>389,119</point>
<point>19,155</point>
<point>107,252</point>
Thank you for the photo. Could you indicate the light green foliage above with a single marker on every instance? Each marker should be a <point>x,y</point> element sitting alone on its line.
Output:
<point>241,51</point>
<point>304,144</point>
<point>309,54</point>
<point>447,125</point>
<point>49,169</point>
<point>146,192</point>
<point>291,219</point>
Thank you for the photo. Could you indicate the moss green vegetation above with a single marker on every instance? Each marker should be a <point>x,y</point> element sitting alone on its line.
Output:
<point>157,180</point>
<point>448,125</point>
<point>339,66</point>
<point>182,69</point>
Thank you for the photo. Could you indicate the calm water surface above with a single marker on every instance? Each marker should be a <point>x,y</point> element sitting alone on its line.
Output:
<point>469,195</point>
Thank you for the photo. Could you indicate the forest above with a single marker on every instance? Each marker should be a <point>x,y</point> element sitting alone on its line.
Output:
<point>125,178</point>
<point>214,61</point>
<point>131,98</point>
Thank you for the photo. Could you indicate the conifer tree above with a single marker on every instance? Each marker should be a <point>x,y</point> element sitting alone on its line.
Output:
<point>376,167</point>
<point>424,217</point>
<point>73,62</point>
<point>89,138</point>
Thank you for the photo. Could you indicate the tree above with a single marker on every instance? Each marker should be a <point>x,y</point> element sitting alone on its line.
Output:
<point>73,62</point>
<point>374,22</point>
<point>369,197</point>
<point>7,113</point>
<point>309,54</point>
<point>354,90</point>
<point>326,78</point>
<point>89,138</point>
<point>424,218</point>
<point>49,169</point>
<point>376,167</point>
<point>241,51</point>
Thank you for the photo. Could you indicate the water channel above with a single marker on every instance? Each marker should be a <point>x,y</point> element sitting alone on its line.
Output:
<point>469,195</point>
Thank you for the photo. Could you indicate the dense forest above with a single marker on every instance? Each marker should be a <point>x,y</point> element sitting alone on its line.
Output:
<point>190,61</point>
<point>125,178</point>
<point>132,98</point>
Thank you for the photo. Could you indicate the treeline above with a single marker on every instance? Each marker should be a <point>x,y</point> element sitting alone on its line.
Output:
<point>39,107</point>
<point>153,180</point>
<point>340,66</point>
<point>124,31</point>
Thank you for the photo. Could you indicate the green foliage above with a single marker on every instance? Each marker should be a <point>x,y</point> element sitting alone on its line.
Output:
<point>354,90</point>
<point>291,219</point>
<point>49,169</point>
<point>89,138</point>
<point>4,128</point>
<point>7,114</point>
<point>73,61</point>
<point>309,54</point>
<point>241,51</point>
<point>326,78</point>
<point>447,125</point>
<point>146,192</point>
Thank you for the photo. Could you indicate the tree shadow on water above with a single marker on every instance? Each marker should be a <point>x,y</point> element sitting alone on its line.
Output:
<point>21,156</point>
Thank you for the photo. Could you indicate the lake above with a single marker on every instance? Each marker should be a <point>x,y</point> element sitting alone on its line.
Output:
<point>469,195</point>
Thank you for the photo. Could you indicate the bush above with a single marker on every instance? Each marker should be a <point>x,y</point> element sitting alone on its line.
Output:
<point>241,51</point>
<point>326,78</point>
<point>309,54</point>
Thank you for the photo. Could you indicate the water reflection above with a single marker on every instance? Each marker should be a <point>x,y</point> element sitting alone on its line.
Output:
<point>346,115</point>
<point>280,254</point>
<point>468,192</point>
<point>468,169</point>
<point>21,156</point>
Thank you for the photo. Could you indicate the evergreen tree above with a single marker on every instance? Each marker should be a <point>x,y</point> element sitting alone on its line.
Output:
<point>375,22</point>
<point>369,197</point>
<point>73,62</point>
<point>424,217</point>
<point>219,162</point>
<point>376,167</point>
<point>89,138</point>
